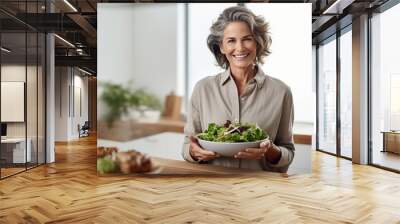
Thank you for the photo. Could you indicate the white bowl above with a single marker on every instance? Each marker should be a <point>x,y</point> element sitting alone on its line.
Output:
<point>228,149</point>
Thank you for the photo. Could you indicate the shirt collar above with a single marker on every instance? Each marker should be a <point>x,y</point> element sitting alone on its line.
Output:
<point>259,77</point>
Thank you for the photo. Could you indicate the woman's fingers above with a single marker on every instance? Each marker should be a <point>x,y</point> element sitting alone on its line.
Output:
<point>193,139</point>
<point>206,155</point>
<point>247,155</point>
<point>251,153</point>
<point>256,150</point>
<point>203,152</point>
<point>265,144</point>
<point>200,153</point>
<point>207,158</point>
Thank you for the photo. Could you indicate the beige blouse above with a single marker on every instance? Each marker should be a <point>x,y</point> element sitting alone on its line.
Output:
<point>266,101</point>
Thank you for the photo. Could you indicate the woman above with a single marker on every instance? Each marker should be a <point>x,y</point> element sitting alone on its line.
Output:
<point>239,41</point>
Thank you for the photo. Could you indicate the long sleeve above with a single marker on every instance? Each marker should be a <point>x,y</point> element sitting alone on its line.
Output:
<point>284,137</point>
<point>192,127</point>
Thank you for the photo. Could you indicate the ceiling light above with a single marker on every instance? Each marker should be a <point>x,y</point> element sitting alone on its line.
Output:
<point>84,71</point>
<point>65,41</point>
<point>337,7</point>
<point>5,50</point>
<point>70,5</point>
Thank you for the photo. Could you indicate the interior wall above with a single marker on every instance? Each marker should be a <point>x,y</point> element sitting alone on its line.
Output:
<point>80,102</point>
<point>92,101</point>
<point>145,53</point>
<point>61,103</point>
<point>71,102</point>
<point>17,73</point>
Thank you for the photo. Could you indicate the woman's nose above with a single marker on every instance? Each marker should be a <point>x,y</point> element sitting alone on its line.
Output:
<point>239,45</point>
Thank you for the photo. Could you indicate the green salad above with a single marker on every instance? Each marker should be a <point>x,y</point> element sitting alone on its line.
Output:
<point>233,132</point>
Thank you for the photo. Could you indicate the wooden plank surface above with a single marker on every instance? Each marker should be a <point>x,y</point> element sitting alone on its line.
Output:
<point>69,191</point>
<point>302,139</point>
<point>168,167</point>
<point>129,130</point>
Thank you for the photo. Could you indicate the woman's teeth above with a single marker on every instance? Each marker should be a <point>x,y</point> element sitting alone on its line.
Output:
<point>240,55</point>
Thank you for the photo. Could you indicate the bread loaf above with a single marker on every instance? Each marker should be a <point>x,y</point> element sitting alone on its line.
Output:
<point>133,162</point>
<point>105,151</point>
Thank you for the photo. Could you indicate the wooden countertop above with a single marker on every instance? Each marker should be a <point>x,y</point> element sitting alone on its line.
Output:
<point>165,150</point>
<point>302,139</point>
<point>129,130</point>
<point>168,167</point>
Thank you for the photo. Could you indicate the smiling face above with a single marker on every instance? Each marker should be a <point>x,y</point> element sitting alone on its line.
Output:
<point>239,45</point>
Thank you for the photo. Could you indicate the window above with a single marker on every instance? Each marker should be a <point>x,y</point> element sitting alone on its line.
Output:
<point>385,88</point>
<point>346,93</point>
<point>327,96</point>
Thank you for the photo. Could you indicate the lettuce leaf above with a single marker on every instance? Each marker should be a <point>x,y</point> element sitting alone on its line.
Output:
<point>233,132</point>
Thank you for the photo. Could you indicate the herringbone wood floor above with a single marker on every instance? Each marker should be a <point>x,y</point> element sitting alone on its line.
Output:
<point>69,191</point>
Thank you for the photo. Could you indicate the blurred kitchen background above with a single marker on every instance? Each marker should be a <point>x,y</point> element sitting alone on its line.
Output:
<point>162,49</point>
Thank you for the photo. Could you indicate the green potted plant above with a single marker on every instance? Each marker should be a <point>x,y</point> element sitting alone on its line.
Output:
<point>124,102</point>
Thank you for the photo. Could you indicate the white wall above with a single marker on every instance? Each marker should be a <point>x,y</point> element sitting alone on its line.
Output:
<point>61,103</point>
<point>290,60</point>
<point>291,48</point>
<point>138,42</point>
<point>201,61</point>
<point>80,102</point>
<point>66,101</point>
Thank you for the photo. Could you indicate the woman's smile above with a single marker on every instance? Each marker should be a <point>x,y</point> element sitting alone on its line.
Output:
<point>238,45</point>
<point>240,56</point>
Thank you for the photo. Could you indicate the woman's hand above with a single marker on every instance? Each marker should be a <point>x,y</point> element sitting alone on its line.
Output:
<point>200,154</point>
<point>267,149</point>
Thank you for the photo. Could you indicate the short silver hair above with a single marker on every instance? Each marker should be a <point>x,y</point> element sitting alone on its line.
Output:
<point>257,25</point>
